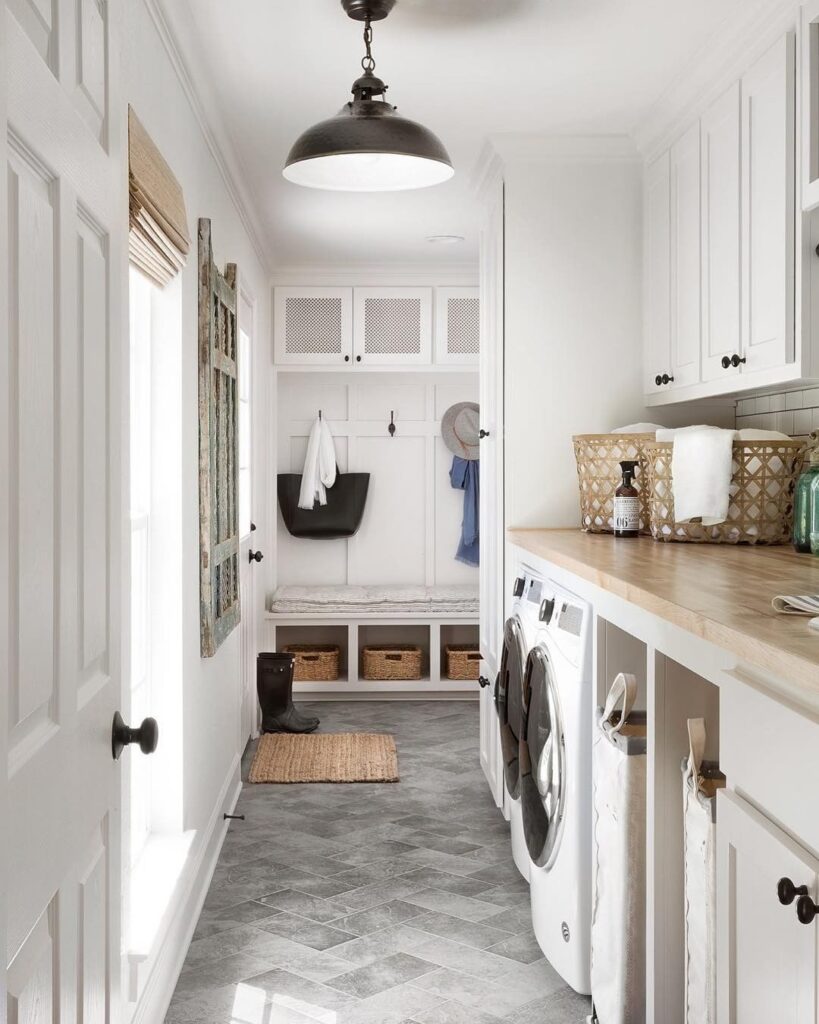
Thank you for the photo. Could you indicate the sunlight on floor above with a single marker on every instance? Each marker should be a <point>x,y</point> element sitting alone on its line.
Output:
<point>252,1005</point>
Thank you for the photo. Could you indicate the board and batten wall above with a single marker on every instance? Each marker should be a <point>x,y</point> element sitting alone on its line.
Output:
<point>412,520</point>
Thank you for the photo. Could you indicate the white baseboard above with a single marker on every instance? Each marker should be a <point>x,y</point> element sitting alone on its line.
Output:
<point>165,962</point>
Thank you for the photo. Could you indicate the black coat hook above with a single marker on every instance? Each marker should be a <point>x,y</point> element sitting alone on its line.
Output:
<point>319,413</point>
<point>391,427</point>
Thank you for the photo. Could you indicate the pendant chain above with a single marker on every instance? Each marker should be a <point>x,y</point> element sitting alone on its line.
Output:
<point>368,61</point>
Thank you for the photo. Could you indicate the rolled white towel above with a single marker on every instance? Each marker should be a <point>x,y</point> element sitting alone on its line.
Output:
<point>638,428</point>
<point>701,465</point>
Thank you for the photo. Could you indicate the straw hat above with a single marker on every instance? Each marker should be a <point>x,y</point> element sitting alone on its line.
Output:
<point>459,429</point>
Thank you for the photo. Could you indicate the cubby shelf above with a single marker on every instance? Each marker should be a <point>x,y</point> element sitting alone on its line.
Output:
<point>431,633</point>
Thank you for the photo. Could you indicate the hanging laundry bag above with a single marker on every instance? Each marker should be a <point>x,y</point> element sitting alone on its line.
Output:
<point>701,780</point>
<point>618,950</point>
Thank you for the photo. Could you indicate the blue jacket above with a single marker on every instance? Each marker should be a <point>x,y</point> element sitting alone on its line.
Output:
<point>465,476</point>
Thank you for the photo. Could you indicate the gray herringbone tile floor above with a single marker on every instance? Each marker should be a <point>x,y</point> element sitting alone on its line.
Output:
<point>373,904</point>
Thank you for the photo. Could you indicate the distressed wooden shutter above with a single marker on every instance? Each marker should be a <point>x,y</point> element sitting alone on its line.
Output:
<point>218,448</point>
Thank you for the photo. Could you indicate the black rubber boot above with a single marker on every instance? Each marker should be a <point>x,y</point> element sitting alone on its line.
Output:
<point>274,685</point>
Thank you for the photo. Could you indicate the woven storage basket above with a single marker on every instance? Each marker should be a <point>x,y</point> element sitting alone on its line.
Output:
<point>392,661</point>
<point>599,475</point>
<point>463,661</point>
<point>761,505</point>
<point>314,662</point>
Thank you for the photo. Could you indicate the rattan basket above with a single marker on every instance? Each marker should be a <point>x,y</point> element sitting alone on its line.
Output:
<point>761,504</point>
<point>463,661</point>
<point>599,475</point>
<point>314,662</point>
<point>391,661</point>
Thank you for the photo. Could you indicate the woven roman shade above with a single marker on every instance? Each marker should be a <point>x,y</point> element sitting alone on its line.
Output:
<point>159,239</point>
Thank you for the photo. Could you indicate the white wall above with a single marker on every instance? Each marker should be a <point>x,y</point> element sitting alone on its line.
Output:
<point>412,520</point>
<point>210,687</point>
<point>573,315</point>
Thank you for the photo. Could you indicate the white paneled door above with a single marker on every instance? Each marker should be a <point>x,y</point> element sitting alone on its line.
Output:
<point>61,434</point>
<point>249,554</point>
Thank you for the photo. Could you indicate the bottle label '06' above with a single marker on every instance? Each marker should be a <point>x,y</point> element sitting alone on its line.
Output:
<point>626,514</point>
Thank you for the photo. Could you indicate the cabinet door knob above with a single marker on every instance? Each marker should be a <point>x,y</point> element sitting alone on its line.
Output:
<point>787,891</point>
<point>358,359</point>
<point>147,736</point>
<point>346,359</point>
<point>806,909</point>
<point>658,380</point>
<point>483,433</point>
<point>665,379</point>
<point>734,360</point>
<point>726,362</point>
<point>483,682</point>
<point>254,556</point>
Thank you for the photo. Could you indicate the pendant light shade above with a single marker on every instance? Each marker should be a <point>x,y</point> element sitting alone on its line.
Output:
<point>367,146</point>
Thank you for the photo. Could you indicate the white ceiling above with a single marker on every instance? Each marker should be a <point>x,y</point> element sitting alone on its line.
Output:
<point>465,68</point>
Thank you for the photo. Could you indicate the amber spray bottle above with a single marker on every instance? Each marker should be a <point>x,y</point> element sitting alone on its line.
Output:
<point>627,504</point>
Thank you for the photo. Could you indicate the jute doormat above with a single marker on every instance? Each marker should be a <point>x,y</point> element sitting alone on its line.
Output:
<point>325,757</point>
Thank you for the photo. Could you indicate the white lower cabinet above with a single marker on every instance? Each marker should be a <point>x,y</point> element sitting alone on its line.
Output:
<point>766,958</point>
<point>489,736</point>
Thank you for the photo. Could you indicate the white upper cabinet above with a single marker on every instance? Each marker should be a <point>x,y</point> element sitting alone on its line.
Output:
<point>685,258</point>
<point>658,272</point>
<point>721,246</point>
<point>313,326</point>
<point>725,253</point>
<point>768,94</point>
<point>457,326</point>
<point>392,326</point>
<point>810,104</point>
<point>766,958</point>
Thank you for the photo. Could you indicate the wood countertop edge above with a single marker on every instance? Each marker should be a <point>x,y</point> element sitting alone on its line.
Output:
<point>752,650</point>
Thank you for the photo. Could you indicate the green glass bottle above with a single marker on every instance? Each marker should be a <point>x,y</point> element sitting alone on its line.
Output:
<point>806,505</point>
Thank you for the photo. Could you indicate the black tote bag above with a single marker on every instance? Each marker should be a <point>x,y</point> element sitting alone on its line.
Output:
<point>340,517</point>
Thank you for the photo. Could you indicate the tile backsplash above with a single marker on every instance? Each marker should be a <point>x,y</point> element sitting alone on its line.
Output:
<point>793,412</point>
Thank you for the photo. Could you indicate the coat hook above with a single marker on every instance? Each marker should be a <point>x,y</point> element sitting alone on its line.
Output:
<point>319,413</point>
<point>391,427</point>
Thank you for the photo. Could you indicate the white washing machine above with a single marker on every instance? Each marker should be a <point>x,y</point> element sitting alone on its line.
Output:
<point>555,782</point>
<point>518,635</point>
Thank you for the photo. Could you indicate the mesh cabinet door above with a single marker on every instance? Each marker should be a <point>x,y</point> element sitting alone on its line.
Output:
<point>393,326</point>
<point>218,449</point>
<point>457,326</point>
<point>313,326</point>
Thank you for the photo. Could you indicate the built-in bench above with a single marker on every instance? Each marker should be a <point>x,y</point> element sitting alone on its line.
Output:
<point>353,617</point>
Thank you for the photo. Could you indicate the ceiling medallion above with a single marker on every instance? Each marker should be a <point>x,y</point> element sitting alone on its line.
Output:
<point>367,146</point>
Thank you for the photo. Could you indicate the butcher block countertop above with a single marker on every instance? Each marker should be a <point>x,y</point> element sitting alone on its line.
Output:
<point>719,592</point>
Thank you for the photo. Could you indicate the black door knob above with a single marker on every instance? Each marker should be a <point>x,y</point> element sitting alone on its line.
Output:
<point>147,736</point>
<point>806,909</point>
<point>483,433</point>
<point>787,891</point>
<point>252,527</point>
<point>254,556</point>
<point>483,682</point>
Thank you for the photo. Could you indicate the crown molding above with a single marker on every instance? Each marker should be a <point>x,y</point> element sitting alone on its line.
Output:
<point>395,275</point>
<point>525,148</point>
<point>188,71</point>
<point>720,62</point>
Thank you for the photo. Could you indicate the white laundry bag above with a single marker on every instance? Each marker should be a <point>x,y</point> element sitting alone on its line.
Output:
<point>618,945</point>
<point>701,780</point>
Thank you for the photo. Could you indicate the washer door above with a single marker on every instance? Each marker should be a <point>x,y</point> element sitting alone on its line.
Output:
<point>542,760</point>
<point>509,700</point>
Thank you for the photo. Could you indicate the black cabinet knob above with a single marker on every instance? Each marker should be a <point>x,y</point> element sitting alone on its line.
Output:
<point>667,379</point>
<point>806,909</point>
<point>346,359</point>
<point>147,736</point>
<point>483,433</point>
<point>358,359</point>
<point>254,556</point>
<point>483,682</point>
<point>252,527</point>
<point>787,891</point>
<point>658,379</point>
<point>734,360</point>
<point>662,379</point>
<point>726,362</point>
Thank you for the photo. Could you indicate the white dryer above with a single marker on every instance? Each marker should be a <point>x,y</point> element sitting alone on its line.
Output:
<point>555,782</point>
<point>518,635</point>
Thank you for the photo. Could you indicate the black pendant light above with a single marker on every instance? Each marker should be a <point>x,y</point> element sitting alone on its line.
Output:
<point>367,147</point>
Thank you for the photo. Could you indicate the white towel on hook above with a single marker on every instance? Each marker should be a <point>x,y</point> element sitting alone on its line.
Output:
<point>702,467</point>
<point>319,470</point>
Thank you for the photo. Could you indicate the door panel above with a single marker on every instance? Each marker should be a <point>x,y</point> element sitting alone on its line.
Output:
<point>685,258</point>
<point>491,405</point>
<point>721,263</point>
<point>768,208</point>
<point>62,433</point>
<point>766,959</point>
